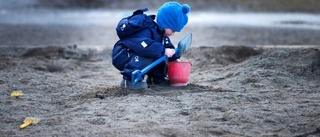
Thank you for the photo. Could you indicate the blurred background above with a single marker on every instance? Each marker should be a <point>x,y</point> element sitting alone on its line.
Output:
<point>213,22</point>
<point>217,5</point>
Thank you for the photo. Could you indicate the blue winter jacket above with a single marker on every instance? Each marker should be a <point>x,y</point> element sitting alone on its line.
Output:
<point>148,43</point>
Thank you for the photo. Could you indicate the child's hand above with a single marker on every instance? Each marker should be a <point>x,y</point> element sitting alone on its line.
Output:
<point>169,52</point>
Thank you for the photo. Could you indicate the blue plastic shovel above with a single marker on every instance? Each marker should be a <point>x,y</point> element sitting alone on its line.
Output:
<point>183,46</point>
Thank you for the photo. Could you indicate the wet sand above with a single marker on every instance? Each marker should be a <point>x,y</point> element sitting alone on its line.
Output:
<point>105,36</point>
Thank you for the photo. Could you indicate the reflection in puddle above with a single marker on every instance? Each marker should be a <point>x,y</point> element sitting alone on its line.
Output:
<point>285,20</point>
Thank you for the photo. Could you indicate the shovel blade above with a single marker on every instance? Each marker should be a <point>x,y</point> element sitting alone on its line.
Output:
<point>184,44</point>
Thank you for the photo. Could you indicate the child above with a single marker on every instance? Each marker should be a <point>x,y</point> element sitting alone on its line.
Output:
<point>140,49</point>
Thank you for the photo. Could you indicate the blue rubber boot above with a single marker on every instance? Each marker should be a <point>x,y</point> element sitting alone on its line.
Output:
<point>138,86</point>
<point>158,81</point>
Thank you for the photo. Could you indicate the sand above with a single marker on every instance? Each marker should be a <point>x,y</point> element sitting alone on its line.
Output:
<point>233,91</point>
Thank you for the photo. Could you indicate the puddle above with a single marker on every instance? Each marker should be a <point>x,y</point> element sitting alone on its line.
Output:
<point>111,17</point>
<point>285,20</point>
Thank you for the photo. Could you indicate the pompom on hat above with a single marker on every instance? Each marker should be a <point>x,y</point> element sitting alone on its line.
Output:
<point>172,15</point>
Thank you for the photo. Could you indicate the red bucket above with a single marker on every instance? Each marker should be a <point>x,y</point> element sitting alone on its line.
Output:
<point>179,73</point>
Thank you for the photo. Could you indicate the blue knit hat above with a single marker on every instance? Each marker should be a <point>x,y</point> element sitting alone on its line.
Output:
<point>172,15</point>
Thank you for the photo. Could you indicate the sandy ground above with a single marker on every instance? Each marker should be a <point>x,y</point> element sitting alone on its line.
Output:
<point>233,91</point>
<point>236,88</point>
